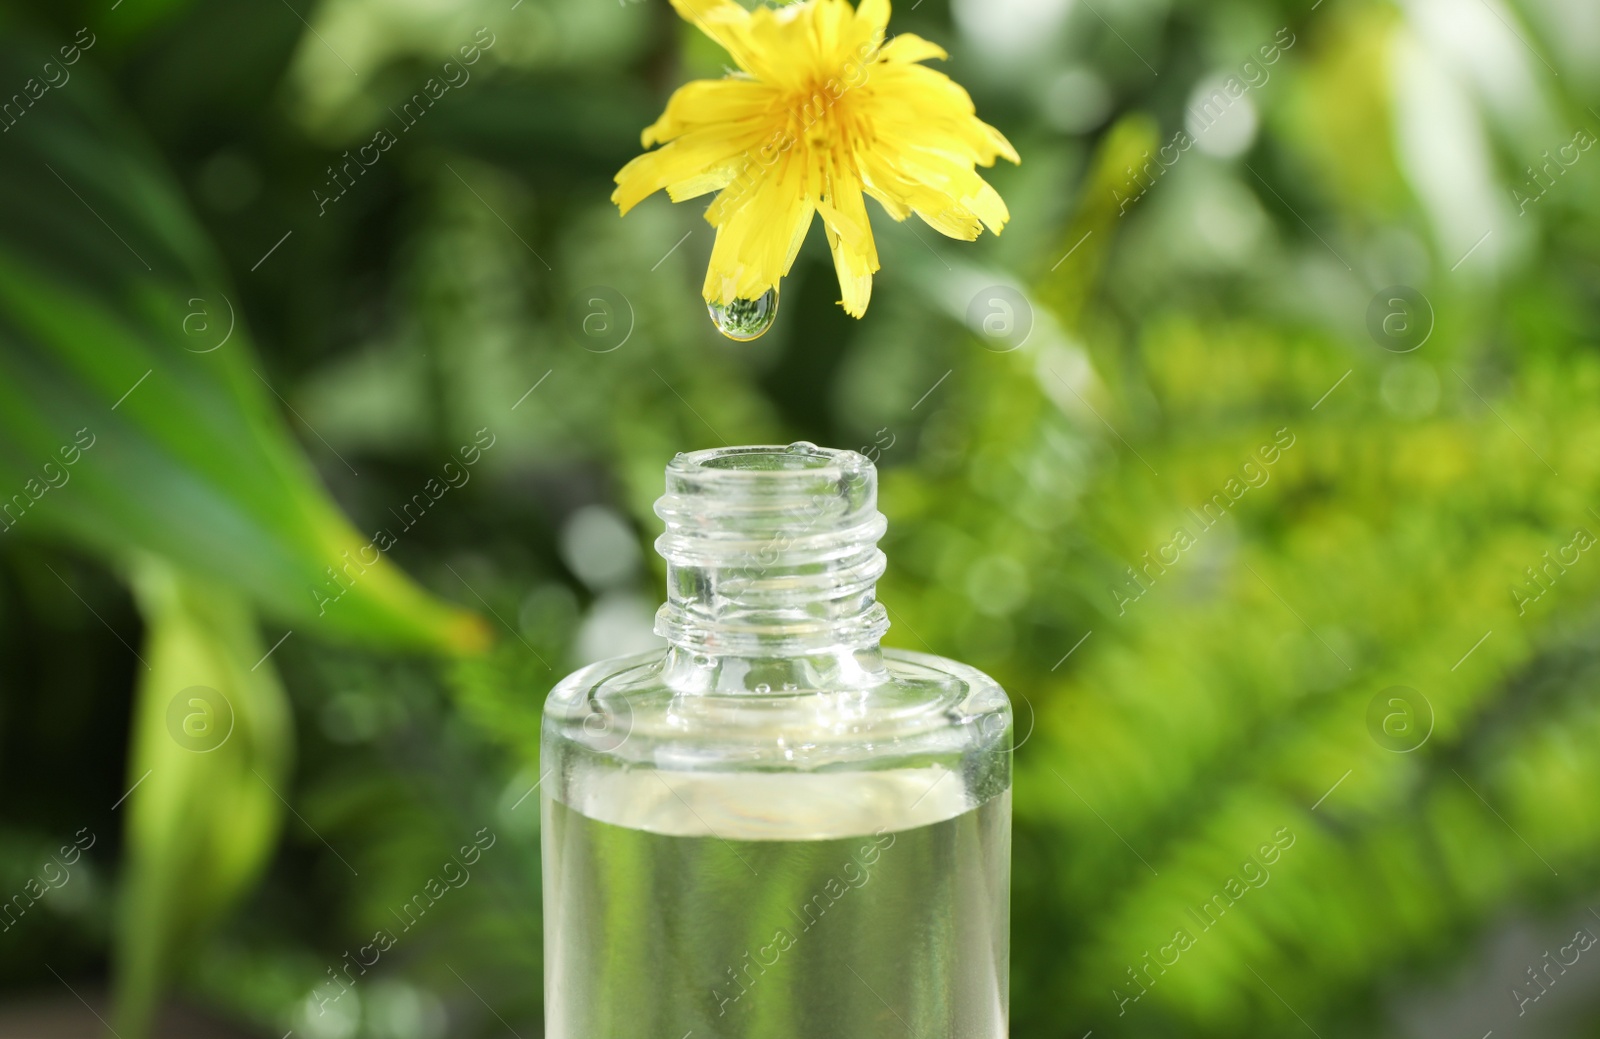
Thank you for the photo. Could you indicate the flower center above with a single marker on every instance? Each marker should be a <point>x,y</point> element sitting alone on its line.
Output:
<point>820,110</point>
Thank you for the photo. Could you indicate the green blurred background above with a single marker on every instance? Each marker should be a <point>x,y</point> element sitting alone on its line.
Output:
<point>313,481</point>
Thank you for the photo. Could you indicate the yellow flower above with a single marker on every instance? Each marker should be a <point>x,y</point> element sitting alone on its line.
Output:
<point>821,112</point>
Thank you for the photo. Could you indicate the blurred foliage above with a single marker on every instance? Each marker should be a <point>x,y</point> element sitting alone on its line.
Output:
<point>209,759</point>
<point>199,467</point>
<point>1183,320</point>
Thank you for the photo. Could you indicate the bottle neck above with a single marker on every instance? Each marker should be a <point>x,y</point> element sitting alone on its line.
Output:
<point>772,563</point>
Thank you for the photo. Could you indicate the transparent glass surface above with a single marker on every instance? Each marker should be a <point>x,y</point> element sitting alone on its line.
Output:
<point>775,828</point>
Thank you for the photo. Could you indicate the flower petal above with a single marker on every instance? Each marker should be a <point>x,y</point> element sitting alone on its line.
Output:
<point>872,17</point>
<point>760,225</point>
<point>719,19</point>
<point>921,101</point>
<point>948,195</point>
<point>855,256</point>
<point>710,102</point>
<point>682,165</point>
<point>711,127</point>
<point>907,46</point>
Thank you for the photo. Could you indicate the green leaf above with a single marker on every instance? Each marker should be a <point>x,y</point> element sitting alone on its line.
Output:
<point>211,748</point>
<point>119,332</point>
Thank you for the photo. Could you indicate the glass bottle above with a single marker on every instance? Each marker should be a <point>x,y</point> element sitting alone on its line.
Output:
<point>775,828</point>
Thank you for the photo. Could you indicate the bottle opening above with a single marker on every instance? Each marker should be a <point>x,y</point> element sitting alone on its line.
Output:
<point>771,550</point>
<point>800,456</point>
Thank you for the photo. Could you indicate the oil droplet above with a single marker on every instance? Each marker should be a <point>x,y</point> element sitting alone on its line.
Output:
<point>745,319</point>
